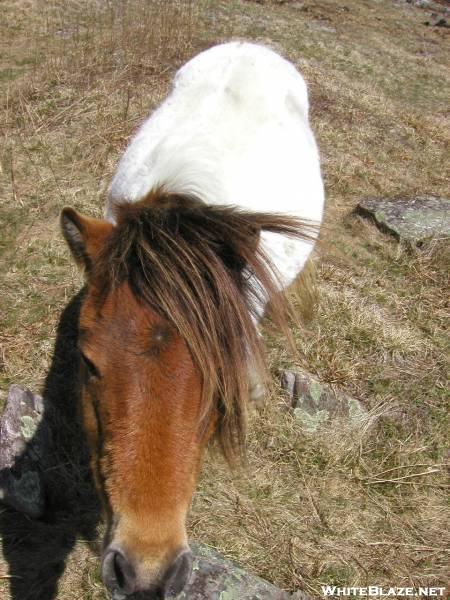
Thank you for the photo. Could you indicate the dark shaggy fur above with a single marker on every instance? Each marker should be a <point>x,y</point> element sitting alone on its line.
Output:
<point>191,263</point>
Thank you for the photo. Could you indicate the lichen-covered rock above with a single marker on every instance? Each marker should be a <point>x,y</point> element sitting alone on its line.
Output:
<point>24,439</point>
<point>314,403</point>
<point>216,578</point>
<point>411,219</point>
<point>430,4</point>
<point>287,382</point>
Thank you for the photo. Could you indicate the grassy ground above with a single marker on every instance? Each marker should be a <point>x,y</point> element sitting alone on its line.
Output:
<point>349,505</point>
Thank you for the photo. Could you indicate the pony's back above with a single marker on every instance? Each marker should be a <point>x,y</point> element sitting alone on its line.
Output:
<point>233,131</point>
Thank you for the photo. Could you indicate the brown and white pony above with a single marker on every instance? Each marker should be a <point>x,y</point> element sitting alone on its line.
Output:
<point>175,285</point>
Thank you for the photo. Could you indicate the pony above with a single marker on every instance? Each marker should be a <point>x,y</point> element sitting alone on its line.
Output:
<point>212,212</point>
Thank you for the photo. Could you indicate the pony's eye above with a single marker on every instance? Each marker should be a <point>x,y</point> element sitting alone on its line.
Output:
<point>89,366</point>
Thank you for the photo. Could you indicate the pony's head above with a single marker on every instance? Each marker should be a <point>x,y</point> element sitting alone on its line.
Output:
<point>165,336</point>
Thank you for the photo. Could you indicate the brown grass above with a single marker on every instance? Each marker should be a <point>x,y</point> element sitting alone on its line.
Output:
<point>352,504</point>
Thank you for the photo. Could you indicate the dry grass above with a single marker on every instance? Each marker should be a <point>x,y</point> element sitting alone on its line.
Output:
<point>351,504</point>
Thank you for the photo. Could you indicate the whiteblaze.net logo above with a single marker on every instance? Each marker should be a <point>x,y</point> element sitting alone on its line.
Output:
<point>376,591</point>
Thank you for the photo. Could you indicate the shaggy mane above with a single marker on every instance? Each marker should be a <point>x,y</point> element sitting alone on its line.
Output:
<point>192,264</point>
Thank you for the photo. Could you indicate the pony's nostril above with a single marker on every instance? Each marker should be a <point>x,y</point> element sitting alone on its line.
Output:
<point>117,573</point>
<point>178,573</point>
<point>119,568</point>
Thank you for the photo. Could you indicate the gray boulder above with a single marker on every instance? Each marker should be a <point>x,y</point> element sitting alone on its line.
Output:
<point>314,402</point>
<point>24,440</point>
<point>413,220</point>
<point>215,577</point>
<point>429,4</point>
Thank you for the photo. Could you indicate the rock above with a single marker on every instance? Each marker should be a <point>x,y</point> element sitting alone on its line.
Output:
<point>429,4</point>
<point>314,403</point>
<point>214,577</point>
<point>419,3</point>
<point>287,381</point>
<point>23,443</point>
<point>410,219</point>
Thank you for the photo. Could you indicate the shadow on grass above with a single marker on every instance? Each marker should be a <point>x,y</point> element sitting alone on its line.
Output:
<point>37,549</point>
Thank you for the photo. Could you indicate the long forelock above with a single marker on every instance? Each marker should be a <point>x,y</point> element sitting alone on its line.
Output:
<point>190,263</point>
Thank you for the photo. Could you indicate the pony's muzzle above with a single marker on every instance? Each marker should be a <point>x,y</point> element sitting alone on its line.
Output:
<point>121,580</point>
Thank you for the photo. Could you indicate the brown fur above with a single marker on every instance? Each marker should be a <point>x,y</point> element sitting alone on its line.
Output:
<point>186,261</point>
<point>166,336</point>
<point>147,462</point>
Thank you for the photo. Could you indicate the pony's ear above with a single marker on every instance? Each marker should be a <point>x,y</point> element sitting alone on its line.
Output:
<point>84,235</point>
